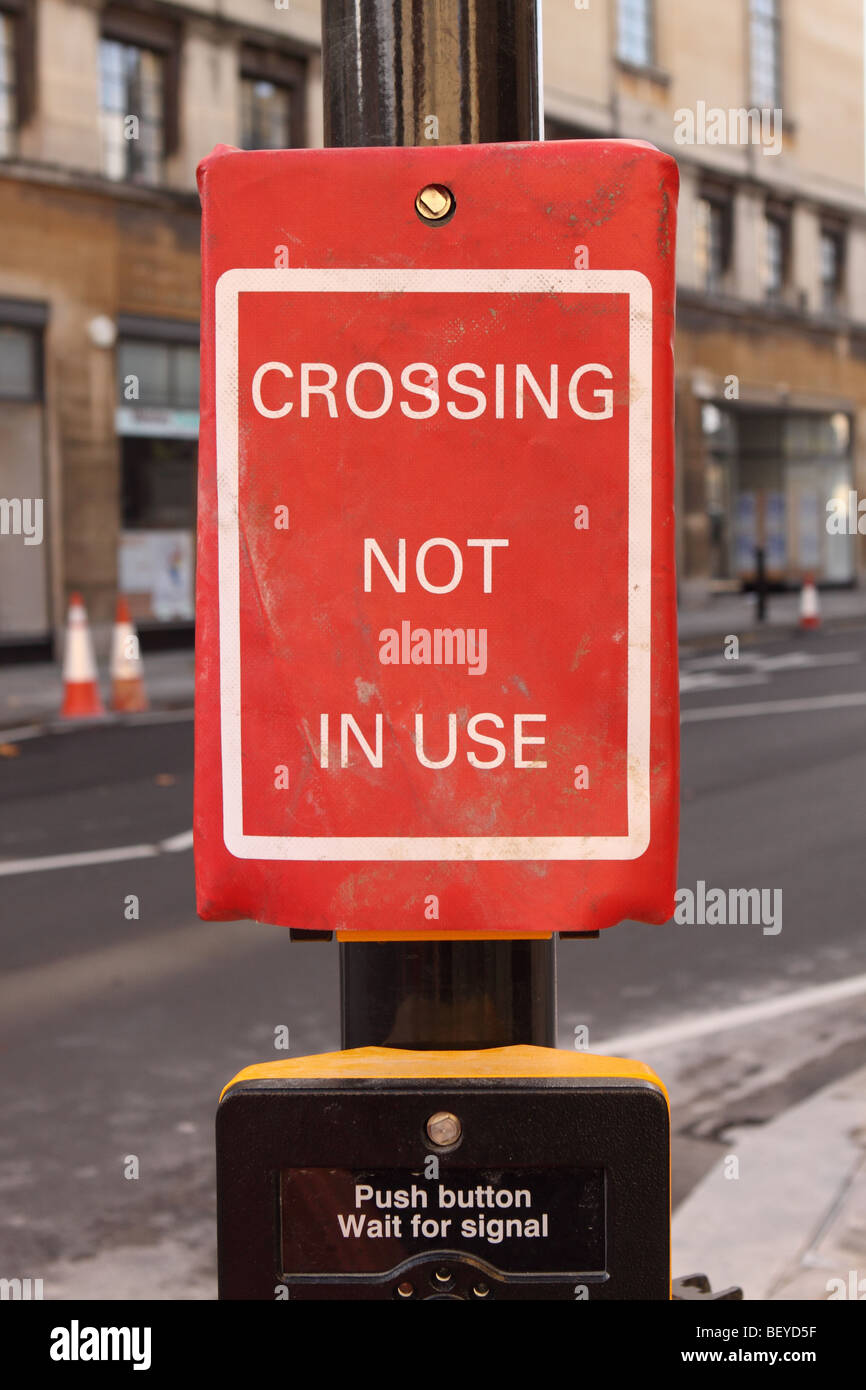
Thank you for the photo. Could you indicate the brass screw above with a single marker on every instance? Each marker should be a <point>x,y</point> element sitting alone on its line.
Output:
<point>443,1128</point>
<point>434,202</point>
<point>405,1290</point>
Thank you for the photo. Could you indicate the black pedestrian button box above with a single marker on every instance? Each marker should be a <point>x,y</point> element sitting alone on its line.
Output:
<point>510,1173</point>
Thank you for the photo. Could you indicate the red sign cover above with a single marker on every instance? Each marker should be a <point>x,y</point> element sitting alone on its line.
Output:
<point>436,647</point>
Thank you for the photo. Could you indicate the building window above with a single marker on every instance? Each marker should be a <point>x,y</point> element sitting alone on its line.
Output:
<point>273,98</point>
<point>8,94</point>
<point>714,243</point>
<point>157,424</point>
<point>832,258</point>
<point>24,589</point>
<point>787,465</point>
<point>20,375</point>
<point>159,480</point>
<point>157,419</point>
<point>156,375</point>
<point>776,244</point>
<point>266,119</point>
<point>635,32</point>
<point>765,39</point>
<point>133,112</point>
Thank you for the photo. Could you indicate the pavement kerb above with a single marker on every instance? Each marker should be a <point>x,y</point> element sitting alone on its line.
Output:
<point>787,1219</point>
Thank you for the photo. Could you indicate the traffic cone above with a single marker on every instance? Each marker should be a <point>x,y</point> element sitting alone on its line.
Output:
<point>127,677</point>
<point>810,616</point>
<point>81,697</point>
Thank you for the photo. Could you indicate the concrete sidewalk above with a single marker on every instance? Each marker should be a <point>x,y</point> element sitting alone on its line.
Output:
<point>32,693</point>
<point>784,1213</point>
<point>735,613</point>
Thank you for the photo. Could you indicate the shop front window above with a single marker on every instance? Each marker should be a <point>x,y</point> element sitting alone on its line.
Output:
<point>157,421</point>
<point>788,468</point>
<point>719,431</point>
<point>26,506</point>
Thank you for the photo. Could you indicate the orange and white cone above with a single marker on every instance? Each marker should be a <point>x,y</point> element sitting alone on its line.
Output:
<point>810,614</point>
<point>81,697</point>
<point>127,676</point>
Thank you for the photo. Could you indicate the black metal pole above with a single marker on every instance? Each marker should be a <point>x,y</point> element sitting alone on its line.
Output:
<point>448,994</point>
<point>446,72</point>
<point>389,65</point>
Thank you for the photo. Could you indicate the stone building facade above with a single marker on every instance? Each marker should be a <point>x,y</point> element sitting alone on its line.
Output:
<point>762,103</point>
<point>105,111</point>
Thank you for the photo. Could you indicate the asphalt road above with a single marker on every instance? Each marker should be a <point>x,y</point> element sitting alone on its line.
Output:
<point>117,1034</point>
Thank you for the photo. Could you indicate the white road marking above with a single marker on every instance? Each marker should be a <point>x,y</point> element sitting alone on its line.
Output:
<point>19,735</point>
<point>754,668</point>
<point>173,845</point>
<point>807,661</point>
<point>177,842</point>
<point>783,661</point>
<point>698,1026</point>
<point>747,711</point>
<point>104,721</point>
<point>719,680</point>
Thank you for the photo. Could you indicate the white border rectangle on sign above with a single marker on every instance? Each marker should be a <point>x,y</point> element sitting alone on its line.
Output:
<point>448,847</point>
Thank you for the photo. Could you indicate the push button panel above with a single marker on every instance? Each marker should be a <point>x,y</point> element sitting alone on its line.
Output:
<point>548,1188</point>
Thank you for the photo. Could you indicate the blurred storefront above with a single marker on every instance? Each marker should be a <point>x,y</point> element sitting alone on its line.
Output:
<point>768,478</point>
<point>157,425</point>
<point>25,612</point>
